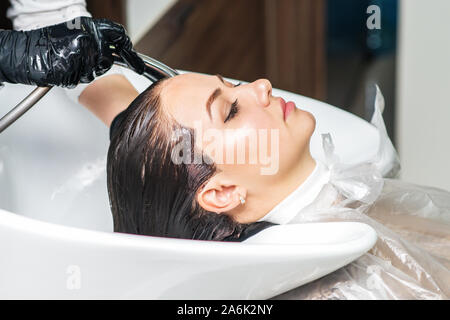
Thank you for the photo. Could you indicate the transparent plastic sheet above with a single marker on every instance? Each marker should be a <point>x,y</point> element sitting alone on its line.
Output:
<point>411,259</point>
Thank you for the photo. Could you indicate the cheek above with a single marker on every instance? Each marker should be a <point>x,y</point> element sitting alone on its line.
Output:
<point>259,142</point>
<point>242,139</point>
<point>241,146</point>
<point>240,152</point>
<point>258,120</point>
<point>251,143</point>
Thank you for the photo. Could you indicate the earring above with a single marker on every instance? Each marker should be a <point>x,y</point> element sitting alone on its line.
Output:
<point>241,198</point>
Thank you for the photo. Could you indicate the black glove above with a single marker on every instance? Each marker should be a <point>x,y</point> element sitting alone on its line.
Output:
<point>65,54</point>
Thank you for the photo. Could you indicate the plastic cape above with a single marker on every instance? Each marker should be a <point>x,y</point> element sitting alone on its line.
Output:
<point>411,259</point>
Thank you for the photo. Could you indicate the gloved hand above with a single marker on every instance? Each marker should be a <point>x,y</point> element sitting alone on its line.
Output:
<point>65,54</point>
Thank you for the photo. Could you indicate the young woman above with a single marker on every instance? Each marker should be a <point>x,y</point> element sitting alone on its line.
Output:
<point>213,194</point>
<point>203,200</point>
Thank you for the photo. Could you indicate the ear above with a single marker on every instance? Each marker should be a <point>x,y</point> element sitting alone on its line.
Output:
<point>220,195</point>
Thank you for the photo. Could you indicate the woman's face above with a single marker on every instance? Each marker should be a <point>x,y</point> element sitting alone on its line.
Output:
<point>253,137</point>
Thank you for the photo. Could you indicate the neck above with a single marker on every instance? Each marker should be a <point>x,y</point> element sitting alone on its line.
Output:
<point>296,176</point>
<point>278,191</point>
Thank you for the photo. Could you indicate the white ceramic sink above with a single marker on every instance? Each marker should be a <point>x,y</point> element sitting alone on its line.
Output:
<point>56,238</point>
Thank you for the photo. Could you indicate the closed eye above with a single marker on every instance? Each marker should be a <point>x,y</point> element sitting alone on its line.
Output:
<point>233,111</point>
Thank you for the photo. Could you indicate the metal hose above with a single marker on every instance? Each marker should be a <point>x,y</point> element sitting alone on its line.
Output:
<point>154,70</point>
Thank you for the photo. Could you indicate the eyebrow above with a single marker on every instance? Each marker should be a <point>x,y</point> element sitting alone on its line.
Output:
<point>214,96</point>
<point>220,78</point>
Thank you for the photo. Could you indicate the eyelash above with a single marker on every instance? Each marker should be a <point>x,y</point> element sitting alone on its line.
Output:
<point>233,111</point>
<point>234,107</point>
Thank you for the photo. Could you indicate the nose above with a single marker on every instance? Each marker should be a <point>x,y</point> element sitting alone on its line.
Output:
<point>263,90</point>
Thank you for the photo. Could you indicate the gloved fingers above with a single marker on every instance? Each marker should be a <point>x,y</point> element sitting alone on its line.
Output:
<point>115,35</point>
<point>125,50</point>
<point>112,32</point>
<point>133,60</point>
<point>104,65</point>
<point>71,79</point>
<point>87,78</point>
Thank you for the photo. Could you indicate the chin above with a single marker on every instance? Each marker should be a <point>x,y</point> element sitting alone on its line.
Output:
<point>310,119</point>
<point>304,125</point>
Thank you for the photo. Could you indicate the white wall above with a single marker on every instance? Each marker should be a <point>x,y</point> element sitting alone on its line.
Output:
<point>423,89</point>
<point>143,14</point>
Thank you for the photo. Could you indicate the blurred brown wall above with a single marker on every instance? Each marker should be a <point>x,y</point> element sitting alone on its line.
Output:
<point>281,40</point>
<point>110,9</point>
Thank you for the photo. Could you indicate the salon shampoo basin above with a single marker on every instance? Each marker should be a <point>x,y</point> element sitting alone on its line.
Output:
<point>56,239</point>
<point>47,261</point>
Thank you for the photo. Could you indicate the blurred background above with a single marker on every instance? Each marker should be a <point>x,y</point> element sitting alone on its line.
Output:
<point>331,50</point>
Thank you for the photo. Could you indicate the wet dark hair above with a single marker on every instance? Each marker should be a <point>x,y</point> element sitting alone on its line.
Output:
<point>152,195</point>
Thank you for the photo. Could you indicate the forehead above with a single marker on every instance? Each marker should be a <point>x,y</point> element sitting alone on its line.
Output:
<point>183,94</point>
<point>187,83</point>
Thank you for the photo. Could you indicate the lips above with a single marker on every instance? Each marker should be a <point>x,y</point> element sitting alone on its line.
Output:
<point>287,107</point>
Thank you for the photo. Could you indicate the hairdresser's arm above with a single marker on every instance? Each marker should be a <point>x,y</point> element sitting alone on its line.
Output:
<point>108,96</point>
<point>65,54</point>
